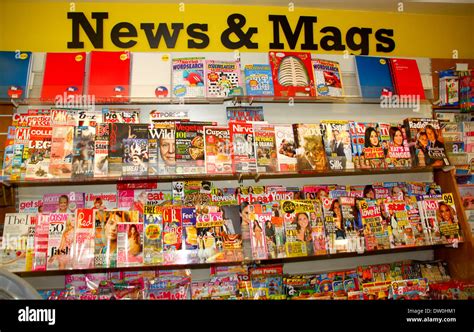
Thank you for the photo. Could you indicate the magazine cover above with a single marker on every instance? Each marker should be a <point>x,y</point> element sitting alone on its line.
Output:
<point>371,152</point>
<point>172,229</point>
<point>310,153</point>
<point>448,219</point>
<point>101,150</point>
<point>106,231</point>
<point>103,201</point>
<point>120,115</point>
<point>39,153</point>
<point>161,146</point>
<point>398,150</point>
<point>15,68</point>
<point>9,151</point>
<point>292,74</point>
<point>30,205</point>
<point>318,232</point>
<point>285,147</point>
<point>153,235</point>
<point>56,83</point>
<point>218,152</point>
<point>150,76</point>
<point>30,242</point>
<point>373,74</point>
<point>426,142</point>
<point>258,80</point>
<point>265,148</point>
<point>41,243</point>
<point>351,222</point>
<point>420,231</point>
<point>61,151</point>
<point>14,241</point>
<point>130,244</point>
<point>109,76</point>
<point>118,133</point>
<point>63,203</point>
<point>135,157</point>
<point>401,231</point>
<point>188,78</point>
<point>189,228</point>
<point>190,147</point>
<point>223,78</point>
<point>296,217</point>
<point>244,113</point>
<point>159,198</point>
<point>242,137</point>
<point>84,239</point>
<point>64,117</point>
<point>375,233</point>
<point>327,78</point>
<point>337,144</point>
<point>333,224</point>
<point>60,241</point>
<point>83,152</point>
<point>257,234</point>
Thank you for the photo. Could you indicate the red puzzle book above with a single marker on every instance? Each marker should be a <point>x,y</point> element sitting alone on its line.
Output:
<point>406,77</point>
<point>63,75</point>
<point>292,74</point>
<point>109,76</point>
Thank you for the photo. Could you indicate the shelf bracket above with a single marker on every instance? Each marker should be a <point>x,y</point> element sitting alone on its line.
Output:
<point>257,177</point>
<point>14,103</point>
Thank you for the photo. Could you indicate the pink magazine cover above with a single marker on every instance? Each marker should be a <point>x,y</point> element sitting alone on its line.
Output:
<point>130,244</point>
<point>84,239</point>
<point>41,242</point>
<point>63,203</point>
<point>60,241</point>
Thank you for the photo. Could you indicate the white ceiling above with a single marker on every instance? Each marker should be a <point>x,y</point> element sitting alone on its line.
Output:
<point>444,7</point>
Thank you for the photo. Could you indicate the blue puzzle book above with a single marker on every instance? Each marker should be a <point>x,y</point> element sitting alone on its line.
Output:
<point>374,76</point>
<point>14,69</point>
<point>258,80</point>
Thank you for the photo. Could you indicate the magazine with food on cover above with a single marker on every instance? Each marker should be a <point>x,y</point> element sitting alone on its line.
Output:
<point>218,152</point>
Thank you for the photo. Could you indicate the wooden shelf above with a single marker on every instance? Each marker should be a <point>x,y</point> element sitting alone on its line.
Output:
<point>195,265</point>
<point>212,177</point>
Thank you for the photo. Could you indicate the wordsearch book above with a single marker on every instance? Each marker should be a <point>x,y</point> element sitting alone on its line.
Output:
<point>63,75</point>
<point>15,68</point>
<point>188,78</point>
<point>223,78</point>
<point>151,75</point>
<point>109,76</point>
<point>374,76</point>
<point>327,78</point>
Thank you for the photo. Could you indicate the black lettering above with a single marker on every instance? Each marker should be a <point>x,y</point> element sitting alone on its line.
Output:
<point>382,36</point>
<point>116,34</point>
<point>292,37</point>
<point>96,36</point>
<point>332,42</point>
<point>364,34</point>
<point>191,30</point>
<point>163,31</point>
